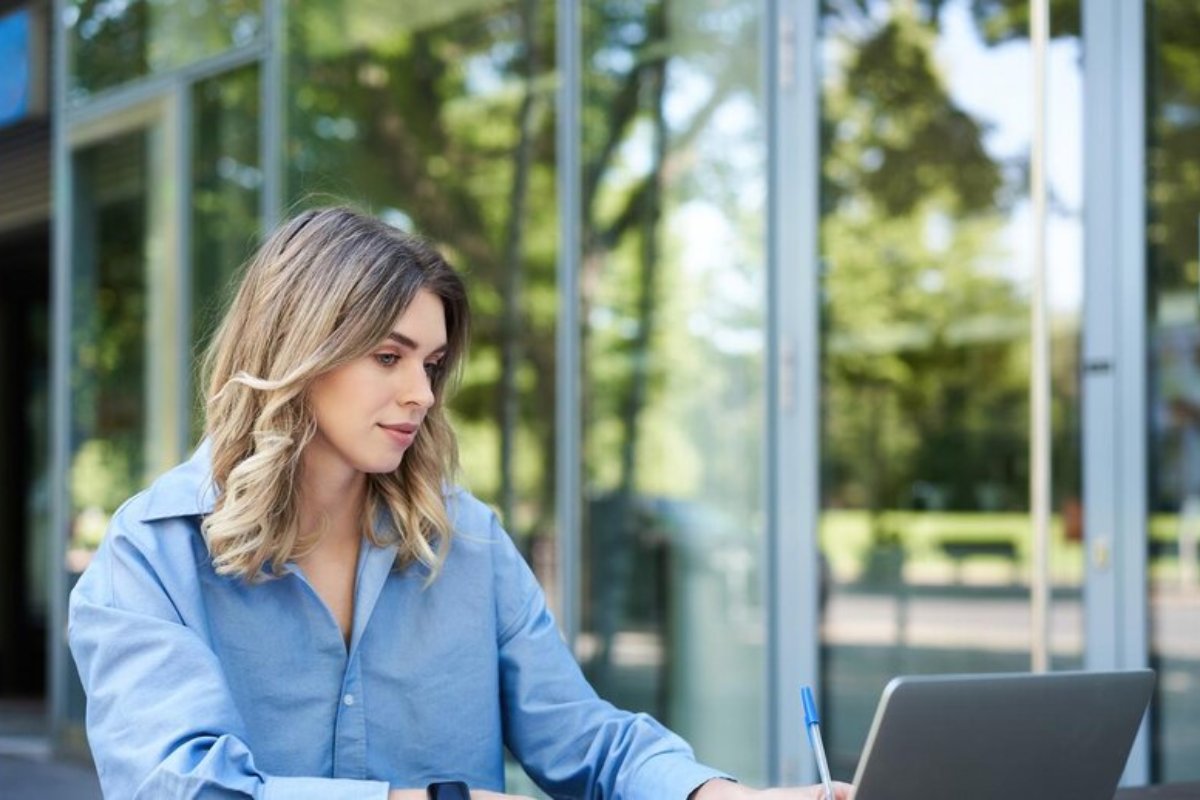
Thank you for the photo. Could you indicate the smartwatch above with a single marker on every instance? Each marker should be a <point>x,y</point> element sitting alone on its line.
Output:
<point>448,790</point>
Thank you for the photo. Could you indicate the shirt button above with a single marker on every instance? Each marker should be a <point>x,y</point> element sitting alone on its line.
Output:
<point>348,699</point>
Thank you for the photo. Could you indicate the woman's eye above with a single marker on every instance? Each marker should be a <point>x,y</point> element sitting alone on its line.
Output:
<point>433,368</point>
<point>387,359</point>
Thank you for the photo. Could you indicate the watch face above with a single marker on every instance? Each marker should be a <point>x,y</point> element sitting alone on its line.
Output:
<point>449,790</point>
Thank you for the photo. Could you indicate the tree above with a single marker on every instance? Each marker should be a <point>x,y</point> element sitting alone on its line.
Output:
<point>925,358</point>
<point>442,121</point>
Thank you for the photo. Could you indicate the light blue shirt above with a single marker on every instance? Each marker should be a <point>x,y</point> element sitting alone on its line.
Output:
<point>204,686</point>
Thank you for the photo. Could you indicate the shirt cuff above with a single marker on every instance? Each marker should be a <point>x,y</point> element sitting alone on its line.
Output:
<point>674,778</point>
<point>280,788</point>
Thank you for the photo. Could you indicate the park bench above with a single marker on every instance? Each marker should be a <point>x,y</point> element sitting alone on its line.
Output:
<point>1162,548</point>
<point>960,550</point>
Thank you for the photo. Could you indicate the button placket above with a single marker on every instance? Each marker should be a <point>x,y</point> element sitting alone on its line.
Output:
<point>350,756</point>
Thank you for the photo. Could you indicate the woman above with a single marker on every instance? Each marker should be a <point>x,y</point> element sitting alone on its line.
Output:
<point>308,608</point>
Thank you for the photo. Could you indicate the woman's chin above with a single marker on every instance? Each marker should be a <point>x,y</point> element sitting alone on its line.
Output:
<point>382,466</point>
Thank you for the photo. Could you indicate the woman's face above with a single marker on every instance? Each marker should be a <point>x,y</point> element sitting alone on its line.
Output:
<point>370,410</point>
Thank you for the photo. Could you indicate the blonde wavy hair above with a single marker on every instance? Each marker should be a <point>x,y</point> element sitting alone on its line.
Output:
<point>324,289</point>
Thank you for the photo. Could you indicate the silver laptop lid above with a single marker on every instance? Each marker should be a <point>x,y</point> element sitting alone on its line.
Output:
<point>997,737</point>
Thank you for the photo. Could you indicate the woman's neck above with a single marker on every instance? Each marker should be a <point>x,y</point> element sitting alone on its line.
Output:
<point>331,503</point>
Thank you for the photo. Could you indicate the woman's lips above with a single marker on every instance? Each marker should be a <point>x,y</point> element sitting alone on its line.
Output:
<point>402,434</point>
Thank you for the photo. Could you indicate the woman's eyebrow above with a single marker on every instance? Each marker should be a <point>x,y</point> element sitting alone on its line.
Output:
<point>403,340</point>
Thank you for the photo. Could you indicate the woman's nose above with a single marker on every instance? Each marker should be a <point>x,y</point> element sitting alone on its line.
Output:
<point>417,389</point>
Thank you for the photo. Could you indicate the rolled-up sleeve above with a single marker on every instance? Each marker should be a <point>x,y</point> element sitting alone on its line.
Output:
<point>572,743</point>
<point>161,721</point>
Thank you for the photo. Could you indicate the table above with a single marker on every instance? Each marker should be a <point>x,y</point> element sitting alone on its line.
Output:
<point>1172,791</point>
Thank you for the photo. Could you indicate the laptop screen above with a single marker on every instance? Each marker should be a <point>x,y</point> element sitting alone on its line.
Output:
<point>997,737</point>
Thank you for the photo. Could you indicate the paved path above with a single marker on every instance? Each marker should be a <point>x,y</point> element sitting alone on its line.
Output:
<point>33,778</point>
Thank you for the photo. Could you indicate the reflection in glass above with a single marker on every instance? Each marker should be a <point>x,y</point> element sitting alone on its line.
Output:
<point>674,277</point>
<point>113,42</point>
<point>439,118</point>
<point>226,188</point>
<point>1173,290</point>
<point>111,433</point>
<point>108,330</point>
<point>925,243</point>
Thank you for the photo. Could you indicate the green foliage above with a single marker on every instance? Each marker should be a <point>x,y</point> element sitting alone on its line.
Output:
<point>112,43</point>
<point>417,117</point>
<point>104,474</point>
<point>1173,155</point>
<point>422,117</point>
<point>1005,20</point>
<point>908,139</point>
<point>226,187</point>
<point>925,369</point>
<point>109,319</point>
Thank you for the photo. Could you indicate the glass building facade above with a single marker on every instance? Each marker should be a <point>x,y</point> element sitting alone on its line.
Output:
<point>752,372</point>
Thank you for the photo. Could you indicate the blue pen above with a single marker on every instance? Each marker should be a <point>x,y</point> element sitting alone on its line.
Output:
<point>812,722</point>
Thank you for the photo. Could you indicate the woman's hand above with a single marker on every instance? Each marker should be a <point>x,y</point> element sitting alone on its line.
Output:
<point>728,790</point>
<point>841,791</point>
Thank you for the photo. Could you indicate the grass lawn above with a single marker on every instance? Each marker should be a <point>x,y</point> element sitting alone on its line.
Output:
<point>846,539</point>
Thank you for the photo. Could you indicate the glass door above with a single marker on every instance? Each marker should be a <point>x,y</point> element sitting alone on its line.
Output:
<point>1173,357</point>
<point>926,246</point>
<point>123,345</point>
<point>673,276</point>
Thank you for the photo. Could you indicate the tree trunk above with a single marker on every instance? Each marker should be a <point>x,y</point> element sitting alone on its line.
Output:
<point>510,330</point>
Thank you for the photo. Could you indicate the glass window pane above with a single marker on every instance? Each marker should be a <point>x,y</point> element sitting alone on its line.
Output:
<point>109,320</point>
<point>113,42</point>
<point>926,237</point>
<point>439,118</point>
<point>674,287</point>
<point>1064,268</point>
<point>122,345</point>
<point>1173,338</point>
<point>226,191</point>
<point>440,121</point>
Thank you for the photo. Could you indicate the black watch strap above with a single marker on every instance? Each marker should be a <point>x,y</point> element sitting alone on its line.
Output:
<point>448,790</point>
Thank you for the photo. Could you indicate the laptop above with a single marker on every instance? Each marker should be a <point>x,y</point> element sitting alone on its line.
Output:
<point>997,737</point>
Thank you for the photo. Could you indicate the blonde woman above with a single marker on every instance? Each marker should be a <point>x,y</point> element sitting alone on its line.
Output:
<point>308,608</point>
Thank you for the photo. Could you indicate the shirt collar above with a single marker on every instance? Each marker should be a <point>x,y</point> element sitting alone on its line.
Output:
<point>185,491</point>
<point>188,491</point>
